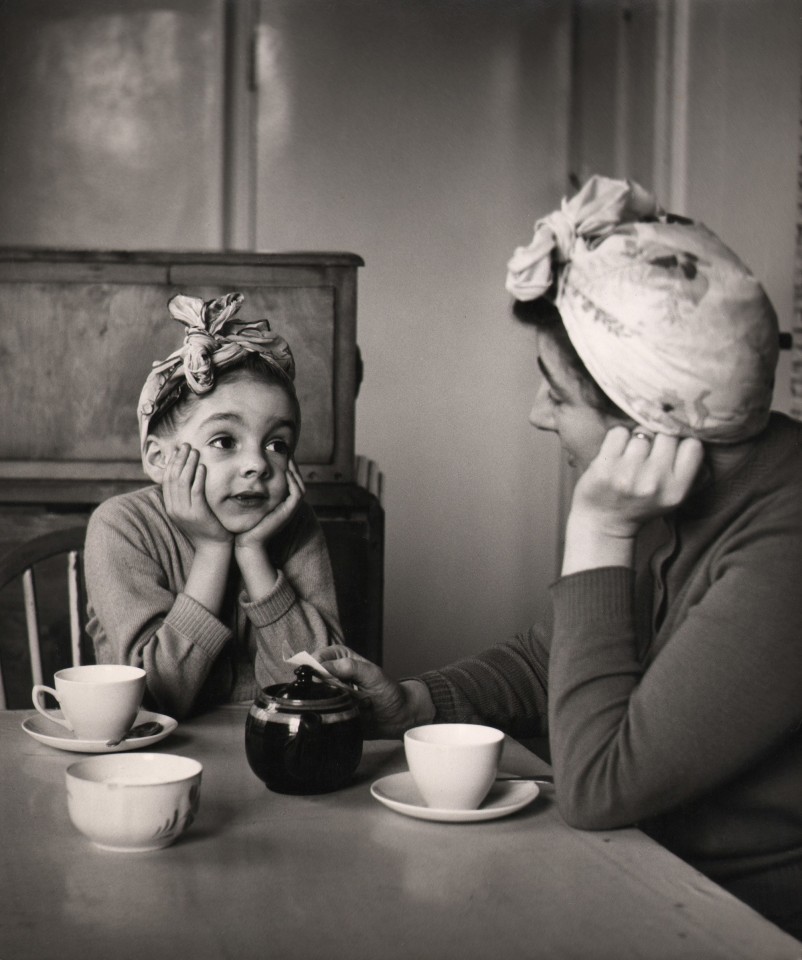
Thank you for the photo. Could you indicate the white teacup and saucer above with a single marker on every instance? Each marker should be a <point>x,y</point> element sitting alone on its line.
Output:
<point>100,704</point>
<point>453,776</point>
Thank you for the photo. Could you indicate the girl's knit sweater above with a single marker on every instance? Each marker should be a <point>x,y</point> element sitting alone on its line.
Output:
<point>137,562</point>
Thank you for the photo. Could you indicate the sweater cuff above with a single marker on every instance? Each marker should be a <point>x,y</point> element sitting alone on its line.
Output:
<point>192,620</point>
<point>421,696</point>
<point>601,595</point>
<point>442,697</point>
<point>272,607</point>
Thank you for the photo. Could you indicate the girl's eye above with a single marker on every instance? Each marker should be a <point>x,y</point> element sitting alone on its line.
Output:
<point>222,443</point>
<point>278,446</point>
<point>554,400</point>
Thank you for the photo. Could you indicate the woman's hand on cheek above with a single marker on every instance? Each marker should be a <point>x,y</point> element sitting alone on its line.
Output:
<point>184,486</point>
<point>633,479</point>
<point>272,522</point>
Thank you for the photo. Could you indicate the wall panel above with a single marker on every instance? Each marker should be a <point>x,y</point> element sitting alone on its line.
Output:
<point>111,112</point>
<point>426,137</point>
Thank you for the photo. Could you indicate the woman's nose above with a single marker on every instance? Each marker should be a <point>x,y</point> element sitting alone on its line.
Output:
<point>542,415</point>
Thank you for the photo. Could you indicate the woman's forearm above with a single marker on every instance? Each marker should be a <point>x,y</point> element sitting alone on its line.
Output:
<point>588,546</point>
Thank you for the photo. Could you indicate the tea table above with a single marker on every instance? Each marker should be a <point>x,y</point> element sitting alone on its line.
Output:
<point>341,877</point>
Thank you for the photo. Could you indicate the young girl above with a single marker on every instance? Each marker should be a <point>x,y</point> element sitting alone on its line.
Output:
<point>214,576</point>
<point>670,684</point>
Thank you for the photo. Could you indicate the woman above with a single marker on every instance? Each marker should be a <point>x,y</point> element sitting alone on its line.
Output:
<point>670,684</point>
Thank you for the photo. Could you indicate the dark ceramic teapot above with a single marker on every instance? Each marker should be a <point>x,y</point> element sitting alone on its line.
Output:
<point>304,737</point>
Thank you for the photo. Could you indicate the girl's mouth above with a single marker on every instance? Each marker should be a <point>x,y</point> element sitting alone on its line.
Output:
<point>249,499</point>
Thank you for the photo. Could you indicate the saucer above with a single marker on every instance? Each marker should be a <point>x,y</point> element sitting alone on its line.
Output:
<point>398,792</point>
<point>53,735</point>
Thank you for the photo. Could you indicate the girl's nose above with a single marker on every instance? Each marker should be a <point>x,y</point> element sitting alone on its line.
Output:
<point>542,415</point>
<point>255,463</point>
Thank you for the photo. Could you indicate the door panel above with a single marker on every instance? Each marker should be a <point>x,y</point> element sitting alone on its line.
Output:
<point>111,112</point>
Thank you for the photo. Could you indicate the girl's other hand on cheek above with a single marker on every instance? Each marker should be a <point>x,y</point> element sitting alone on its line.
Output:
<point>184,486</point>
<point>272,522</point>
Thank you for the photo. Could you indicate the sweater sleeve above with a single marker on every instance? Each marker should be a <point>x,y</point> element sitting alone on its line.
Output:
<point>505,686</point>
<point>300,612</point>
<point>632,739</point>
<point>137,619</point>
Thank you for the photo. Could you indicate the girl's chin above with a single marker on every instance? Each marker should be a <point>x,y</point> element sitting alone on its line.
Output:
<point>243,522</point>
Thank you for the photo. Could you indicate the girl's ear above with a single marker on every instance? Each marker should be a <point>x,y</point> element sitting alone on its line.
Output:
<point>157,452</point>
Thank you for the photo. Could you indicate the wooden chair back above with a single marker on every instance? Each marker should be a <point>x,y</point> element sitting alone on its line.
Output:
<point>24,563</point>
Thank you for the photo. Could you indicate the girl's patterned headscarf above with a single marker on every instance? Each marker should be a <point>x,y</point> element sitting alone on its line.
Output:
<point>213,341</point>
<point>668,321</point>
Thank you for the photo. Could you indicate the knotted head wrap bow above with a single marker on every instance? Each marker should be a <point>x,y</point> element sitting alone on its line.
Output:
<point>214,340</point>
<point>668,321</point>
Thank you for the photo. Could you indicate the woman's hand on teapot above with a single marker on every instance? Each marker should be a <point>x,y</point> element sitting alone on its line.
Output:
<point>635,477</point>
<point>389,708</point>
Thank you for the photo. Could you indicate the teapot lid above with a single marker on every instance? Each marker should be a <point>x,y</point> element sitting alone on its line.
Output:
<point>308,689</point>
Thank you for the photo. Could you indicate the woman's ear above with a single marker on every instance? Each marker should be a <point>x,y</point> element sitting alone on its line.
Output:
<point>157,452</point>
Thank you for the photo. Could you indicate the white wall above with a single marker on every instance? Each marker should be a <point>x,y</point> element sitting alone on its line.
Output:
<point>745,63</point>
<point>426,136</point>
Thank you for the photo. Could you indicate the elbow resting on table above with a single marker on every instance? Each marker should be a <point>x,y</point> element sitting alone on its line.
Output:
<point>583,817</point>
<point>172,703</point>
<point>171,708</point>
<point>584,808</point>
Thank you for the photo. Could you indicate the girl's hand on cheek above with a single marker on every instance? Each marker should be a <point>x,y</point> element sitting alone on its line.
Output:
<point>184,485</point>
<point>272,522</point>
<point>634,478</point>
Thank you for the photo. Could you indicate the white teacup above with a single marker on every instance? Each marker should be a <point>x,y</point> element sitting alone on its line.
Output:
<point>99,701</point>
<point>453,764</point>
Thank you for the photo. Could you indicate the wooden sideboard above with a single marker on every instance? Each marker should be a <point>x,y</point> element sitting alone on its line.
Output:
<point>78,333</point>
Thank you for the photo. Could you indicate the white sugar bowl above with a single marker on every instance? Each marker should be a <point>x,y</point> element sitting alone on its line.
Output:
<point>131,802</point>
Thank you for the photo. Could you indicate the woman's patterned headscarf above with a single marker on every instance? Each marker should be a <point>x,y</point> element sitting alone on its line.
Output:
<point>213,341</point>
<point>668,321</point>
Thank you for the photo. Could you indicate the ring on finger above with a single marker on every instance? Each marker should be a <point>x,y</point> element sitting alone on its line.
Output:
<point>641,435</point>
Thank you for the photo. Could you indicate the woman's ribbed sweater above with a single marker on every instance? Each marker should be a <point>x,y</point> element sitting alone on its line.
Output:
<point>672,695</point>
